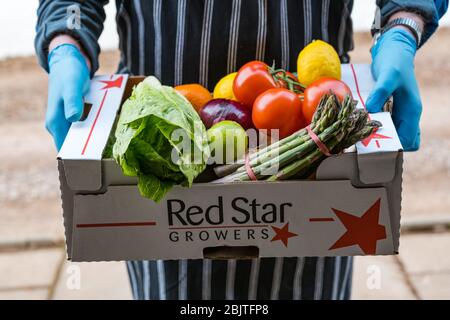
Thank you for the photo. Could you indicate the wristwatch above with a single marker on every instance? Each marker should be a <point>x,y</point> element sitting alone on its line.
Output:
<point>409,23</point>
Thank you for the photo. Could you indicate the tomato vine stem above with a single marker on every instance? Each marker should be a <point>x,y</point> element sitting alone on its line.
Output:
<point>281,76</point>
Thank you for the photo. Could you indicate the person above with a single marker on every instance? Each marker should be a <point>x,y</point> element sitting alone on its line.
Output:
<point>199,41</point>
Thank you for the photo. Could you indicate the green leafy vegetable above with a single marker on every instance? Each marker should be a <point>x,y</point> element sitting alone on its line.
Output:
<point>160,139</point>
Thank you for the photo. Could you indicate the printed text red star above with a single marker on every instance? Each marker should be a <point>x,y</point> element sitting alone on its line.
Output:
<point>373,136</point>
<point>363,231</point>
<point>117,83</point>
<point>283,234</point>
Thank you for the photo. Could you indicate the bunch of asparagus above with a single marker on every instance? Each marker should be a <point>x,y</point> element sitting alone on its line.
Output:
<point>337,125</point>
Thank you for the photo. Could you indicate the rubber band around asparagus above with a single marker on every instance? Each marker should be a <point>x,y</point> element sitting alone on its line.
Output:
<point>248,168</point>
<point>322,147</point>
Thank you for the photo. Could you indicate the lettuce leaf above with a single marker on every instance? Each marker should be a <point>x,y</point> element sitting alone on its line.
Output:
<point>160,139</point>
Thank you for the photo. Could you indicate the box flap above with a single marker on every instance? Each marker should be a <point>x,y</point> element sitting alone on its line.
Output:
<point>83,175</point>
<point>86,139</point>
<point>67,207</point>
<point>359,78</point>
<point>377,154</point>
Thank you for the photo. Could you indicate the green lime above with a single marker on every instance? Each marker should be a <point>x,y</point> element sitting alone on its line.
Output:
<point>228,141</point>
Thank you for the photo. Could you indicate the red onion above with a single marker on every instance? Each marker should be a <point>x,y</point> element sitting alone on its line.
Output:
<point>218,110</point>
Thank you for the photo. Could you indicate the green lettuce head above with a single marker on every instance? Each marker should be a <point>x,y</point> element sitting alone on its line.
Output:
<point>160,139</point>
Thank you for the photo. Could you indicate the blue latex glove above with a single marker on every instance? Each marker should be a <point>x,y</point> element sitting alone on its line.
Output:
<point>68,83</point>
<point>393,69</point>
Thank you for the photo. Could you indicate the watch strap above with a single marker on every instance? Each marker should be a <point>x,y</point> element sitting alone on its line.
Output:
<point>409,23</point>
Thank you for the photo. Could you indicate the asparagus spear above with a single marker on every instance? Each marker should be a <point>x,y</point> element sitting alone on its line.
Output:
<point>337,125</point>
<point>324,116</point>
<point>290,155</point>
<point>317,155</point>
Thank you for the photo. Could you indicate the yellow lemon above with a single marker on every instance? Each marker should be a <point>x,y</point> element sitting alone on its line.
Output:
<point>318,60</point>
<point>224,88</point>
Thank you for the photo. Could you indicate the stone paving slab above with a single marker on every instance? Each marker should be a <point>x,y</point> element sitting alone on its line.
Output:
<point>425,253</point>
<point>433,286</point>
<point>27,269</point>
<point>98,280</point>
<point>379,277</point>
<point>30,199</point>
<point>426,260</point>
<point>32,221</point>
<point>25,294</point>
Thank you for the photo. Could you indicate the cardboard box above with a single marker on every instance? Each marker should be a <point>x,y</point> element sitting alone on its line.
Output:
<point>353,208</point>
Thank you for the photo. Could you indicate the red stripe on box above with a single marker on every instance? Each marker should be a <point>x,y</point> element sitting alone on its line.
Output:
<point>357,86</point>
<point>118,224</point>
<point>321,219</point>
<point>221,227</point>
<point>95,122</point>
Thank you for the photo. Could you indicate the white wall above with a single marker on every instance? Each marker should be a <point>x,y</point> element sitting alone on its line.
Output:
<point>18,19</point>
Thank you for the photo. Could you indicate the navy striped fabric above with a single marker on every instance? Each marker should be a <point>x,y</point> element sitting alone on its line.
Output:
<point>200,41</point>
<point>268,278</point>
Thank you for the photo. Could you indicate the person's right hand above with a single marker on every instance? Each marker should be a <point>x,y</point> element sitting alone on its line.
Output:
<point>68,83</point>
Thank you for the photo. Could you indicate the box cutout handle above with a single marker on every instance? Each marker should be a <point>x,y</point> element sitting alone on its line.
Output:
<point>227,252</point>
<point>87,108</point>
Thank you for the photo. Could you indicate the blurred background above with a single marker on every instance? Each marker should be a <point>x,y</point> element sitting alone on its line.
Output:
<point>32,255</point>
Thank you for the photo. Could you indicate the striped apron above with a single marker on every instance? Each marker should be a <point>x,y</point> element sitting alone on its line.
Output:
<point>200,41</point>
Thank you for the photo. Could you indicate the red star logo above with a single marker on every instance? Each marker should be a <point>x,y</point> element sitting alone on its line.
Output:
<point>117,83</point>
<point>374,136</point>
<point>364,231</point>
<point>283,234</point>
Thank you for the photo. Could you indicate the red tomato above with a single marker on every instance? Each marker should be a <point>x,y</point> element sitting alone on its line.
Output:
<point>280,109</point>
<point>317,89</point>
<point>251,80</point>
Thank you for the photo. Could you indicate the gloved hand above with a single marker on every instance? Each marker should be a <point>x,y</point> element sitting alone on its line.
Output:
<point>393,69</point>
<point>68,83</point>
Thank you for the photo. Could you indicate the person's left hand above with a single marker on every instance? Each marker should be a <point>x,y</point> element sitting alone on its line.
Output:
<point>68,83</point>
<point>393,70</point>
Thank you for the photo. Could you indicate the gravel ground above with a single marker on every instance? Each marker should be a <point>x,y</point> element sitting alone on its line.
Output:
<point>29,192</point>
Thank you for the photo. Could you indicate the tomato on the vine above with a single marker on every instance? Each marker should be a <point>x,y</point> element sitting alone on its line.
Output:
<point>289,81</point>
<point>252,79</point>
<point>278,108</point>
<point>317,89</point>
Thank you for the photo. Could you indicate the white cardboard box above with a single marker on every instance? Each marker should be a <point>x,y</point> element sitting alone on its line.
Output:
<point>353,208</point>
